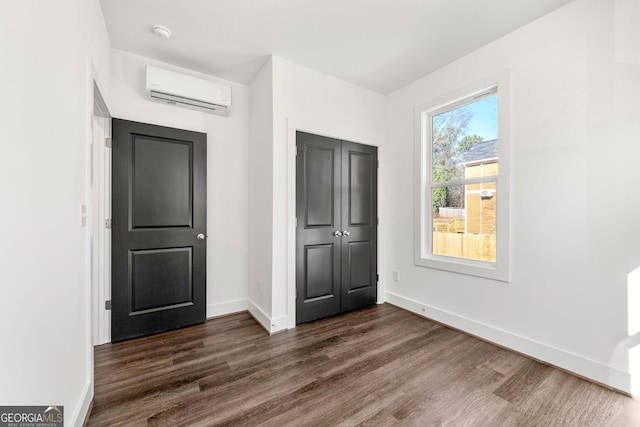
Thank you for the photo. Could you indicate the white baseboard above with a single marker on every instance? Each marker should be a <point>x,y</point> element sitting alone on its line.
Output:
<point>259,315</point>
<point>82,409</point>
<point>566,360</point>
<point>220,309</point>
<point>279,324</point>
<point>270,325</point>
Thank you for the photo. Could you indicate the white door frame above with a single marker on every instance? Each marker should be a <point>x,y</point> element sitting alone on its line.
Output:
<point>99,211</point>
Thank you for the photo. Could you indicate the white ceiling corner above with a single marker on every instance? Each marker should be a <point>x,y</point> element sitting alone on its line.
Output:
<point>377,44</point>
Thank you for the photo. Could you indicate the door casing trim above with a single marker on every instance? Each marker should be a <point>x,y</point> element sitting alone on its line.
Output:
<point>100,209</point>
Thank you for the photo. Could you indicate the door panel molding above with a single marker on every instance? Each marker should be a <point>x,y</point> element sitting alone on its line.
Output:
<point>160,161</point>
<point>150,269</point>
<point>359,271</point>
<point>360,168</point>
<point>320,203</point>
<point>318,282</point>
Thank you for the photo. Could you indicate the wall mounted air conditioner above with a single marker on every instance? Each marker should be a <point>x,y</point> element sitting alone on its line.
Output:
<point>487,194</point>
<point>187,91</point>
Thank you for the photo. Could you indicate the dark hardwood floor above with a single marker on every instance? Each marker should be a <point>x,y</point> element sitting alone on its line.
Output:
<point>379,366</point>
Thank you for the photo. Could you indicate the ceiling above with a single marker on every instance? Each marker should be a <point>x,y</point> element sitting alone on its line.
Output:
<point>381,45</point>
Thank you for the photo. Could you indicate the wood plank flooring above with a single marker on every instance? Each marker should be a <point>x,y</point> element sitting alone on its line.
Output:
<point>380,366</point>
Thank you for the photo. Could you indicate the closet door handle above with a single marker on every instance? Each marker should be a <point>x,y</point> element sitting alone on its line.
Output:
<point>345,233</point>
<point>337,233</point>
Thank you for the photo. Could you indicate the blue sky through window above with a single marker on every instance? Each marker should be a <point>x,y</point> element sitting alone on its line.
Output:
<point>484,121</point>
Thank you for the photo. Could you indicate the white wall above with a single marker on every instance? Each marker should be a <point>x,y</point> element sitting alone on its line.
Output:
<point>260,192</point>
<point>286,97</point>
<point>575,84</point>
<point>575,198</point>
<point>45,117</point>
<point>307,100</point>
<point>227,171</point>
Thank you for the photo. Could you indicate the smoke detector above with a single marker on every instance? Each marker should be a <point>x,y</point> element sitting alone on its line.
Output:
<point>161,31</point>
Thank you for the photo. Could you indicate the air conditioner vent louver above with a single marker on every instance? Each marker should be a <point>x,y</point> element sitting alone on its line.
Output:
<point>172,99</point>
<point>179,89</point>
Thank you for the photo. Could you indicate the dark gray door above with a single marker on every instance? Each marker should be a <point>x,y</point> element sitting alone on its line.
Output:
<point>336,234</point>
<point>359,225</point>
<point>158,258</point>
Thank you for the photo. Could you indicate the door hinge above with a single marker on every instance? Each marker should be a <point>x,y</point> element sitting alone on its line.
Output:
<point>107,304</point>
<point>296,222</point>
<point>107,224</point>
<point>108,142</point>
<point>377,277</point>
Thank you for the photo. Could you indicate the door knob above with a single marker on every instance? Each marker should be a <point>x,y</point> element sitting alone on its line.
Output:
<point>337,233</point>
<point>345,233</point>
<point>201,236</point>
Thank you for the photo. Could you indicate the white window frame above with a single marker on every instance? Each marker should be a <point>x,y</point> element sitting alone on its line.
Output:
<point>500,269</point>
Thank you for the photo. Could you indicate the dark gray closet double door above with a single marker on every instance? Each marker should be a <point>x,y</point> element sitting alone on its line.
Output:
<point>336,233</point>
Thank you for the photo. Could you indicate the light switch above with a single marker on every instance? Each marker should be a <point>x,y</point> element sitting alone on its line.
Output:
<point>83,215</point>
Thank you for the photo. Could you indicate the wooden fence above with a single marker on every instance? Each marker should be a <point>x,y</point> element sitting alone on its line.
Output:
<point>474,246</point>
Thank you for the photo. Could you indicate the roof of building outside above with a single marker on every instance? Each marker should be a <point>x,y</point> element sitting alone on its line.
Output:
<point>481,151</point>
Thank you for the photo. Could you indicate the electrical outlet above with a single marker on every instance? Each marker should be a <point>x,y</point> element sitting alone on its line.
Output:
<point>396,275</point>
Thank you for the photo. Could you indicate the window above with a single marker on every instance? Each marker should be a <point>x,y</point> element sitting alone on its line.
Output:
<point>462,220</point>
